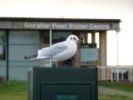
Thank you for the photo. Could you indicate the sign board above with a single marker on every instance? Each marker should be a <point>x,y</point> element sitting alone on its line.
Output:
<point>58,25</point>
<point>68,26</point>
<point>88,55</point>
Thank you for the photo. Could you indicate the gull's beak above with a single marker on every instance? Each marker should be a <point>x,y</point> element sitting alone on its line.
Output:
<point>79,41</point>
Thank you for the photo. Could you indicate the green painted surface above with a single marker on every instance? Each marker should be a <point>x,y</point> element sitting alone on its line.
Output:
<point>62,83</point>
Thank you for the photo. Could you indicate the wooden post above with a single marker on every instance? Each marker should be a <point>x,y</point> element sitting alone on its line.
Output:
<point>93,37</point>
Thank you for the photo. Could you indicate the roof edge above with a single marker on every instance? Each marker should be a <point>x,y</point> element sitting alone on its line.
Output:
<point>57,19</point>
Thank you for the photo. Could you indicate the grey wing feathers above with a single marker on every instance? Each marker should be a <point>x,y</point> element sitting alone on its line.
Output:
<point>53,50</point>
<point>57,48</point>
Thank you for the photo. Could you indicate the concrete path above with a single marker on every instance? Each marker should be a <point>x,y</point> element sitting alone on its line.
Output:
<point>110,91</point>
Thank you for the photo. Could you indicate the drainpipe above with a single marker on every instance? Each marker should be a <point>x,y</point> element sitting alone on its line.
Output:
<point>117,55</point>
<point>50,42</point>
<point>7,55</point>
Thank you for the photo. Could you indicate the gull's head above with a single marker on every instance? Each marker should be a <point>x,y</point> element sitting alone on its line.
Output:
<point>73,38</point>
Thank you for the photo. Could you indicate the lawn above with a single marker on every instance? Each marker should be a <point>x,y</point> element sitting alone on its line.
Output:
<point>113,97</point>
<point>128,87</point>
<point>15,90</point>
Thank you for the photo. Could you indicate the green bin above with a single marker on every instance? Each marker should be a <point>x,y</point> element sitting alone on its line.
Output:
<point>62,84</point>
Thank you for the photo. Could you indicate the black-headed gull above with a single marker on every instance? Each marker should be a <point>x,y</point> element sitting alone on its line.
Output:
<point>59,51</point>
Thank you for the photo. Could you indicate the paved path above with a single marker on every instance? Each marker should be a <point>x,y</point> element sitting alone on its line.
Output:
<point>110,91</point>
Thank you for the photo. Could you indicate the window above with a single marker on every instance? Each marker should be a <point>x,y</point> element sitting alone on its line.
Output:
<point>60,36</point>
<point>22,43</point>
<point>2,45</point>
<point>57,36</point>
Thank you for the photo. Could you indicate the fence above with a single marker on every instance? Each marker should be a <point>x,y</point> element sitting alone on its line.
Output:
<point>115,73</point>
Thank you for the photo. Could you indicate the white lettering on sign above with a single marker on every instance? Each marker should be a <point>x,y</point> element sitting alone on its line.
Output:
<point>78,26</point>
<point>29,25</point>
<point>99,26</point>
<point>36,25</point>
<point>59,26</point>
<point>41,25</point>
<point>69,26</point>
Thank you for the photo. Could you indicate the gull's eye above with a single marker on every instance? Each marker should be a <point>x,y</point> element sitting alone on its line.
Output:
<point>71,38</point>
<point>74,38</point>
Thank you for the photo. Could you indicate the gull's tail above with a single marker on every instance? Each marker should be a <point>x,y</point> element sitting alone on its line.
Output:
<point>30,57</point>
<point>36,57</point>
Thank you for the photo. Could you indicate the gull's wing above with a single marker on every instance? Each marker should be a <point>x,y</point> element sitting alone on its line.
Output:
<point>53,50</point>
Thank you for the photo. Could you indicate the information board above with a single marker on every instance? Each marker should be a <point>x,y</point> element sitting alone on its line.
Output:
<point>88,55</point>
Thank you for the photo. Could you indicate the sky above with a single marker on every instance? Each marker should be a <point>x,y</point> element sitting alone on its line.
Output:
<point>105,9</point>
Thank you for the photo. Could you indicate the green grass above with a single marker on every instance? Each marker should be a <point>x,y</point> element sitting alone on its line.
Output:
<point>13,90</point>
<point>128,87</point>
<point>16,90</point>
<point>113,97</point>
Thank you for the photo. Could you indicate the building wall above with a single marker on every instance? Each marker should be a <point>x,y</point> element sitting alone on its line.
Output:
<point>20,44</point>
<point>16,42</point>
<point>2,54</point>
